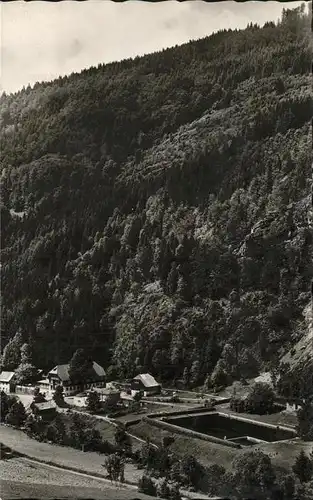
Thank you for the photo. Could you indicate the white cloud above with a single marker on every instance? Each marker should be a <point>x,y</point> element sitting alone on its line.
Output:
<point>42,40</point>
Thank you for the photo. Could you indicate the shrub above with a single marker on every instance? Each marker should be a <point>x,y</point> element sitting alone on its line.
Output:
<point>260,400</point>
<point>163,489</point>
<point>115,467</point>
<point>237,404</point>
<point>16,415</point>
<point>147,486</point>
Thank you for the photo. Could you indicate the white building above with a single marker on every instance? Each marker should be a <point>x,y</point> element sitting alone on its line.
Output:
<point>59,375</point>
<point>145,383</point>
<point>7,381</point>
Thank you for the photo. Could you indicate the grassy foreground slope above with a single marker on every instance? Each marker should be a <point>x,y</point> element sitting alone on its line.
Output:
<point>155,211</point>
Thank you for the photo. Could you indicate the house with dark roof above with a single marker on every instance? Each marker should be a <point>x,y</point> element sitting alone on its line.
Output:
<point>59,375</point>
<point>7,381</point>
<point>46,411</point>
<point>145,383</point>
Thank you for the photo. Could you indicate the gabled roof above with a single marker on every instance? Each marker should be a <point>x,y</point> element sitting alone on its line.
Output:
<point>6,376</point>
<point>61,371</point>
<point>147,380</point>
<point>43,381</point>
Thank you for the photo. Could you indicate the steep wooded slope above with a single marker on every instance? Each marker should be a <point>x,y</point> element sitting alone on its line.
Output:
<point>155,210</point>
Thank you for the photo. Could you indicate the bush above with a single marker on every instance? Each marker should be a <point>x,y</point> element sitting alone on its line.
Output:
<point>34,427</point>
<point>253,474</point>
<point>115,467</point>
<point>147,486</point>
<point>191,471</point>
<point>16,415</point>
<point>237,404</point>
<point>163,490</point>
<point>260,400</point>
<point>174,492</point>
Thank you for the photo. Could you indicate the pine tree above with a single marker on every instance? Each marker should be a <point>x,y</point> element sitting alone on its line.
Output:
<point>26,373</point>
<point>93,402</point>
<point>289,487</point>
<point>303,467</point>
<point>26,354</point>
<point>305,421</point>
<point>186,376</point>
<point>80,365</point>
<point>11,354</point>
<point>6,402</point>
<point>58,395</point>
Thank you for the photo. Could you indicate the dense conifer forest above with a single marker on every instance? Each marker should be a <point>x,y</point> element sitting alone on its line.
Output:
<point>155,211</point>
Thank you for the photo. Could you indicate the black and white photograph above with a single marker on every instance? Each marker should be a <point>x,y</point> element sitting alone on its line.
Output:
<point>156,250</point>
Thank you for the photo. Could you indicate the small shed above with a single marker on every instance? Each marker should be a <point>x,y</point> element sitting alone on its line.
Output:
<point>145,383</point>
<point>46,410</point>
<point>7,381</point>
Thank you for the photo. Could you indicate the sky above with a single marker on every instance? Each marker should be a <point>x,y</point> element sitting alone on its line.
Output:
<point>42,40</point>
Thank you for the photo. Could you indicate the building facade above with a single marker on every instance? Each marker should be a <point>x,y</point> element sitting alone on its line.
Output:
<point>7,381</point>
<point>146,384</point>
<point>46,411</point>
<point>59,375</point>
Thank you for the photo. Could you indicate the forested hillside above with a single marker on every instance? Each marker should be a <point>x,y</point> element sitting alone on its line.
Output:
<point>155,211</point>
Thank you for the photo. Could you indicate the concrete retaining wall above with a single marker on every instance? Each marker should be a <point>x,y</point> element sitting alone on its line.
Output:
<point>257,422</point>
<point>188,432</point>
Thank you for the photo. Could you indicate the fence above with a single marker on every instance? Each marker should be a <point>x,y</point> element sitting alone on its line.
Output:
<point>24,389</point>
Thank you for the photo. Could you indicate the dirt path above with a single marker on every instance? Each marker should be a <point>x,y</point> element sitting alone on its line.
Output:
<point>83,463</point>
<point>88,462</point>
<point>19,469</point>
